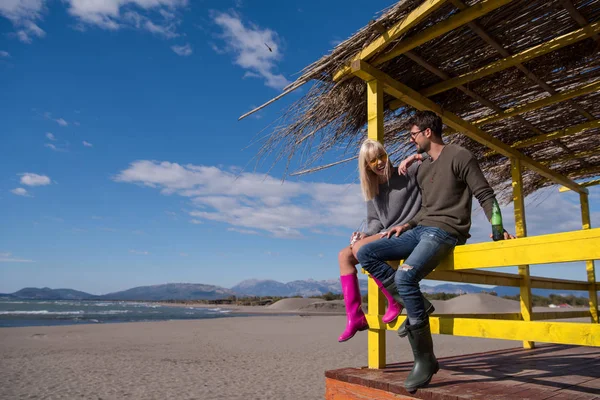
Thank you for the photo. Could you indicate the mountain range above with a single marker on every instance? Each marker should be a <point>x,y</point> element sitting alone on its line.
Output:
<point>251,287</point>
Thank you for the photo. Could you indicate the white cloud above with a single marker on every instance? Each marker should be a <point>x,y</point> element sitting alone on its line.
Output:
<point>196,221</point>
<point>144,253</point>
<point>184,50</point>
<point>4,54</point>
<point>23,14</point>
<point>117,14</point>
<point>87,144</point>
<point>61,122</point>
<point>7,257</point>
<point>21,192</point>
<point>244,231</point>
<point>31,179</point>
<point>50,136</point>
<point>255,49</point>
<point>251,203</point>
<point>55,148</point>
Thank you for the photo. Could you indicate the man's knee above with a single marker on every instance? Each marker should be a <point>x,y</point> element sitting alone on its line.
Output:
<point>405,279</point>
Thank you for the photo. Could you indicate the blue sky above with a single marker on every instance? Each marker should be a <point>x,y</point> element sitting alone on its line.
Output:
<point>124,164</point>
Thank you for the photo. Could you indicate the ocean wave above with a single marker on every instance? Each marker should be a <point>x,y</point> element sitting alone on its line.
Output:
<point>42,312</point>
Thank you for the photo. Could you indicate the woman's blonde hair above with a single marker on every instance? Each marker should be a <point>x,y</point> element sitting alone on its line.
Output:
<point>369,180</point>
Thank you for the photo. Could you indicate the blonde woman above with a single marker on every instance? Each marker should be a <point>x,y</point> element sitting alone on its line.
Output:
<point>392,199</point>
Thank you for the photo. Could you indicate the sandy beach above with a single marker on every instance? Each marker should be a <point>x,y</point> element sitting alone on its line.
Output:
<point>257,357</point>
<point>265,357</point>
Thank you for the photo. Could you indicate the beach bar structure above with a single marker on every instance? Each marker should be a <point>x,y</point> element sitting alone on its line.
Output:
<point>517,82</point>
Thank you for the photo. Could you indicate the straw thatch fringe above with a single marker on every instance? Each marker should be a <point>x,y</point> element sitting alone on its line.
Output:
<point>333,114</point>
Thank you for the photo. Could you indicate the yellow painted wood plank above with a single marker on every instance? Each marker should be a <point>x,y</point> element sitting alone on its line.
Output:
<point>375,110</point>
<point>544,249</point>
<point>589,265</point>
<point>593,182</point>
<point>402,92</point>
<point>399,28</point>
<point>521,232</point>
<point>376,301</point>
<point>375,337</point>
<point>445,26</point>
<point>548,101</point>
<point>582,334</point>
<point>529,54</point>
<point>505,279</point>
<point>376,324</point>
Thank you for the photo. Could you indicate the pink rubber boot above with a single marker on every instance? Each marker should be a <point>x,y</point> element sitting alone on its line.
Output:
<point>393,309</point>
<point>354,313</point>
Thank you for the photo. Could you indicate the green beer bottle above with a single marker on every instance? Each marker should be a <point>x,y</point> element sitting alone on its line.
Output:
<point>497,228</point>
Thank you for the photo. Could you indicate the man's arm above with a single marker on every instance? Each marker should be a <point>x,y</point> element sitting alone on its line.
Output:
<point>467,169</point>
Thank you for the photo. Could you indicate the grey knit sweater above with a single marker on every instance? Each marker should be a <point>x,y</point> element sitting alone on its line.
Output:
<point>398,201</point>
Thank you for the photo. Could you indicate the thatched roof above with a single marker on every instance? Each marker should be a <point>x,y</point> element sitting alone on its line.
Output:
<point>333,114</point>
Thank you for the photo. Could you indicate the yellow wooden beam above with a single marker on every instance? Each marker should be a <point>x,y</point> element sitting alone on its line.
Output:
<point>579,245</point>
<point>505,279</point>
<point>376,302</point>
<point>535,105</point>
<point>375,110</point>
<point>399,28</point>
<point>477,277</point>
<point>583,334</point>
<point>521,232</point>
<point>529,54</point>
<point>414,99</point>
<point>445,26</point>
<point>375,321</point>
<point>375,337</point>
<point>593,182</point>
<point>589,264</point>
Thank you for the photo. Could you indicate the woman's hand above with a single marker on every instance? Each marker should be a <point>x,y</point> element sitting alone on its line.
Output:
<point>356,236</point>
<point>405,164</point>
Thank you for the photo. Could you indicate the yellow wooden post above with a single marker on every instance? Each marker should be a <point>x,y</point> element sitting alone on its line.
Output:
<point>521,231</point>
<point>376,336</point>
<point>589,265</point>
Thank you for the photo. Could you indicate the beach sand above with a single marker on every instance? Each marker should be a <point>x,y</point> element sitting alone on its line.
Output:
<point>260,357</point>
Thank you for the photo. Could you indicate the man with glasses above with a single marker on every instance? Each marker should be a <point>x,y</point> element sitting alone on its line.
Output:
<point>448,178</point>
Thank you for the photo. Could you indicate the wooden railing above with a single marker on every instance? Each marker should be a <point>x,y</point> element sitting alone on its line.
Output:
<point>583,245</point>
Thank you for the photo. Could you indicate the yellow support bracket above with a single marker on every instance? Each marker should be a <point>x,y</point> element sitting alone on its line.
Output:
<point>445,26</point>
<point>536,105</point>
<point>399,28</point>
<point>524,56</point>
<point>589,264</point>
<point>593,182</point>
<point>402,92</point>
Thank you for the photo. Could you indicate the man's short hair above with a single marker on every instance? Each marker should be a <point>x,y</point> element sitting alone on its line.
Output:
<point>424,120</point>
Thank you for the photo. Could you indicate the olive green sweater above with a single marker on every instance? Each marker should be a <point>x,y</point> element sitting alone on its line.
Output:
<point>448,185</point>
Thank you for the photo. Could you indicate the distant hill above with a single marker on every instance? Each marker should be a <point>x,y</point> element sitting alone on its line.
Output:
<point>51,294</point>
<point>305,288</point>
<point>252,287</point>
<point>171,291</point>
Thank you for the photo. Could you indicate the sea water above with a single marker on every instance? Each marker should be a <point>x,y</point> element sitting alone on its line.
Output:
<point>68,312</point>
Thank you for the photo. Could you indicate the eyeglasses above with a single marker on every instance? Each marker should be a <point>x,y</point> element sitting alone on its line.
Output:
<point>413,135</point>
<point>382,157</point>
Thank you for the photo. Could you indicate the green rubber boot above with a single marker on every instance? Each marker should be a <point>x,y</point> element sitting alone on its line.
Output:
<point>426,365</point>
<point>429,308</point>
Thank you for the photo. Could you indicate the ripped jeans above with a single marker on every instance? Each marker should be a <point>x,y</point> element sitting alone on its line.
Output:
<point>421,248</point>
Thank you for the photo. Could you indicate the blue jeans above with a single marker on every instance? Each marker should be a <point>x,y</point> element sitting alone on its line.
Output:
<point>421,248</point>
